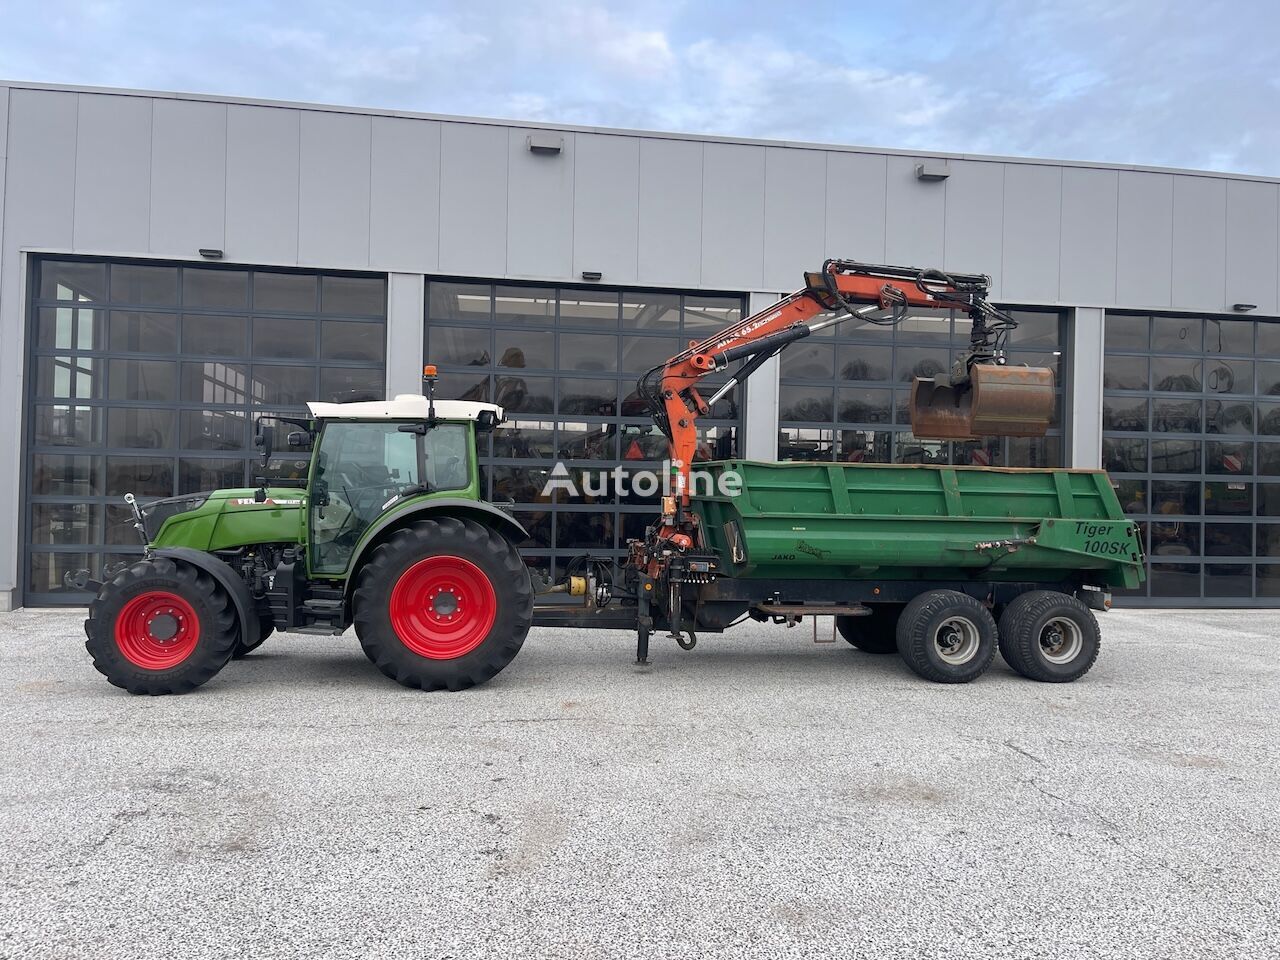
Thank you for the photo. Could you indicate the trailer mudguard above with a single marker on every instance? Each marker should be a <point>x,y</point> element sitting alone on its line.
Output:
<point>241,598</point>
<point>485,513</point>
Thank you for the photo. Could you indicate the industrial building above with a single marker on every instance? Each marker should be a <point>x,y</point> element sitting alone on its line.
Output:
<point>173,265</point>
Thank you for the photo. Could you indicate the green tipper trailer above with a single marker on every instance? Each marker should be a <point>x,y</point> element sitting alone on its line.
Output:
<point>941,564</point>
<point>804,521</point>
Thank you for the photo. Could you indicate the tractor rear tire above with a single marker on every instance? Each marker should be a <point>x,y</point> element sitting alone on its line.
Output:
<point>947,636</point>
<point>443,604</point>
<point>874,633</point>
<point>1048,636</point>
<point>161,626</point>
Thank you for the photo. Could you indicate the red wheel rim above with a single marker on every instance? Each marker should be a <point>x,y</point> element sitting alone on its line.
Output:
<point>443,607</point>
<point>157,630</point>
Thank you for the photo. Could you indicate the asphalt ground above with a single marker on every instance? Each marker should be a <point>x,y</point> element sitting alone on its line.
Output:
<point>760,796</point>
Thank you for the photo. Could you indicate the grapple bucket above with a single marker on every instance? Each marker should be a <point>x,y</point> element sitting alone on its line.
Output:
<point>998,401</point>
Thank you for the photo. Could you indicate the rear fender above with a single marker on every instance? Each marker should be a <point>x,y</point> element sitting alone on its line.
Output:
<point>241,598</point>
<point>478,510</point>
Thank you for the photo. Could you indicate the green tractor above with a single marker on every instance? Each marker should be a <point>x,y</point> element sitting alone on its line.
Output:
<point>387,531</point>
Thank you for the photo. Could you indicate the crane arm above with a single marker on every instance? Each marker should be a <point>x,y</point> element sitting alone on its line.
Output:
<point>843,289</point>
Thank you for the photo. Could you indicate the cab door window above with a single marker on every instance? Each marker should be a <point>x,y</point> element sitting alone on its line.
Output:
<point>364,468</point>
<point>360,469</point>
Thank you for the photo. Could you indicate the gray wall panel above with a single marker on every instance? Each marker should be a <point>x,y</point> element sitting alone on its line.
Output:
<point>1144,239</point>
<point>1089,216</point>
<point>188,177</point>
<point>4,145</point>
<point>914,211</point>
<point>406,307</point>
<point>1199,243</point>
<point>333,190</point>
<point>404,215</point>
<point>473,199</point>
<point>760,413</point>
<point>1251,244</point>
<point>262,184</point>
<point>539,208</point>
<point>1032,232</point>
<point>855,222</point>
<point>10,357</point>
<point>41,177</point>
<point>606,206</point>
<point>973,232</point>
<point>795,213</point>
<point>1084,391</point>
<point>4,121</point>
<point>732,216</point>
<point>113,174</point>
<point>40,173</point>
<point>670,244</point>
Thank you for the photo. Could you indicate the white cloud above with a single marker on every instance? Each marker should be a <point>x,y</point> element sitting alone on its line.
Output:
<point>572,33</point>
<point>762,87</point>
<point>526,106</point>
<point>447,37</point>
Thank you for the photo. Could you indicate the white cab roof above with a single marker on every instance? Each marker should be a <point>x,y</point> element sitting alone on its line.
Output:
<point>406,406</point>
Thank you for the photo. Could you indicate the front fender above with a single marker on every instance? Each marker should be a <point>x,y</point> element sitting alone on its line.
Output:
<point>485,513</point>
<point>241,598</point>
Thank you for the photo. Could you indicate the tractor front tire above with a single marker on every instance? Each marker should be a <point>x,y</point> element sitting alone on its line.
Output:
<point>161,626</point>
<point>443,604</point>
<point>875,632</point>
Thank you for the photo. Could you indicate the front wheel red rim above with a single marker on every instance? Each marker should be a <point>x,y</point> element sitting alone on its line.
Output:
<point>443,607</point>
<point>157,630</point>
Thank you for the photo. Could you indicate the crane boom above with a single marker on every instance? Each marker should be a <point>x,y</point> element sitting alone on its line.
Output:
<point>982,396</point>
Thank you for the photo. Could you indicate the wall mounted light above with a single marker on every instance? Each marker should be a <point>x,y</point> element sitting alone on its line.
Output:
<point>548,144</point>
<point>932,170</point>
<point>1244,307</point>
<point>210,253</point>
<point>591,275</point>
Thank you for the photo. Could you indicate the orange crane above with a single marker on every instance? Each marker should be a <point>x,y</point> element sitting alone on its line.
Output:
<point>983,395</point>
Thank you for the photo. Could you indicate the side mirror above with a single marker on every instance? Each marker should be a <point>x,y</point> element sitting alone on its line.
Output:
<point>486,420</point>
<point>298,438</point>
<point>266,441</point>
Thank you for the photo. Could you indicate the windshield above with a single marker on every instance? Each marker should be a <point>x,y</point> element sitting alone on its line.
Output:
<point>363,468</point>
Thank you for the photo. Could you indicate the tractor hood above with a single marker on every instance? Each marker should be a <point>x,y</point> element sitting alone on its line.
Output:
<point>226,519</point>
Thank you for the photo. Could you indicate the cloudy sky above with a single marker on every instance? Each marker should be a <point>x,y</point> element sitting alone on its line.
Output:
<point>1188,84</point>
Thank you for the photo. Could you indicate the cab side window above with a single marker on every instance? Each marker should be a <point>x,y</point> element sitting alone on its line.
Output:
<point>446,455</point>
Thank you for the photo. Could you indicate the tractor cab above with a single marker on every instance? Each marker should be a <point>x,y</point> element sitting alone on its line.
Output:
<point>372,457</point>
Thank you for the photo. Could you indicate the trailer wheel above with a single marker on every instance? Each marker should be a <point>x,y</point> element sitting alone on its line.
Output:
<point>443,604</point>
<point>874,633</point>
<point>947,636</point>
<point>160,626</point>
<point>1049,636</point>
